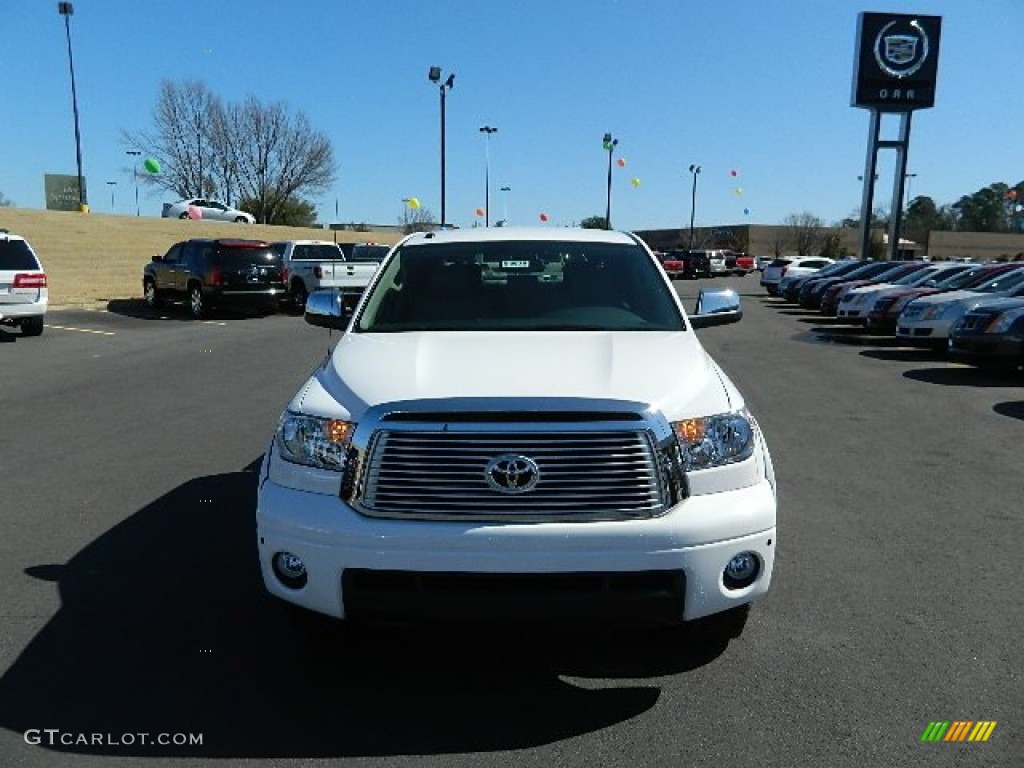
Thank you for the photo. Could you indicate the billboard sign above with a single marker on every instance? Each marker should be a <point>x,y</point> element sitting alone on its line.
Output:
<point>62,192</point>
<point>896,61</point>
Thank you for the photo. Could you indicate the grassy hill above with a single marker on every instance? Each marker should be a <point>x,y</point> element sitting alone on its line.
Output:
<point>93,258</point>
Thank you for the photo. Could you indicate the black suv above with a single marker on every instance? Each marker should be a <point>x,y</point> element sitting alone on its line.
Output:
<point>694,263</point>
<point>210,273</point>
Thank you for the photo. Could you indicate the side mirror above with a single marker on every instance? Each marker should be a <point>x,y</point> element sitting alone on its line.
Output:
<point>326,309</point>
<point>157,257</point>
<point>718,307</point>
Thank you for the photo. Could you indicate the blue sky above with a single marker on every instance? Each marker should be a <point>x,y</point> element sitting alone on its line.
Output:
<point>761,87</point>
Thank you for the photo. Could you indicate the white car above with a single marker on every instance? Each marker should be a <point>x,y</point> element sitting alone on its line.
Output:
<point>855,306</point>
<point>790,266</point>
<point>519,424</point>
<point>207,210</point>
<point>24,295</point>
<point>926,321</point>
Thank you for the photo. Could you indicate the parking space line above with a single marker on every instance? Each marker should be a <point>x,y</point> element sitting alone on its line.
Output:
<point>80,330</point>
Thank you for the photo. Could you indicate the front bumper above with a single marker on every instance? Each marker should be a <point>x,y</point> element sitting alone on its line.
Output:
<point>690,546</point>
<point>930,333</point>
<point>1000,348</point>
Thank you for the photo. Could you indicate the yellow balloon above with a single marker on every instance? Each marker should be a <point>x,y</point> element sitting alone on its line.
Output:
<point>635,181</point>
<point>738,190</point>
<point>414,202</point>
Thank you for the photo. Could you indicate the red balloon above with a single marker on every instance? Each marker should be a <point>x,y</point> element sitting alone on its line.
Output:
<point>734,173</point>
<point>479,211</point>
<point>543,217</point>
<point>1012,194</point>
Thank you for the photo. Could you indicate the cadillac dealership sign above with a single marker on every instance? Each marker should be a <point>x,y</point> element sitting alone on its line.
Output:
<point>896,62</point>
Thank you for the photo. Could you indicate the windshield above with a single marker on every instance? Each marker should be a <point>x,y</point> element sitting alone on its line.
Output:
<point>1003,282</point>
<point>962,279</point>
<point>520,285</point>
<point>919,276</point>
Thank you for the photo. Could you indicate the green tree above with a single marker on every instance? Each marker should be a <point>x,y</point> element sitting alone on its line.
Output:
<point>594,222</point>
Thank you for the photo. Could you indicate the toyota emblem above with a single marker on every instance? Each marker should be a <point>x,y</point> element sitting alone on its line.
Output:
<point>512,473</point>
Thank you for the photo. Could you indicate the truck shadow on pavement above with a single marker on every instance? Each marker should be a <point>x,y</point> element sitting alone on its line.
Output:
<point>164,628</point>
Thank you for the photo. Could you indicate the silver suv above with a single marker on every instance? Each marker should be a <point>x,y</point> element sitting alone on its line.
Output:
<point>23,291</point>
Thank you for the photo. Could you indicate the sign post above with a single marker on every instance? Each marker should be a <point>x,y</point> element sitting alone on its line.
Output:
<point>896,63</point>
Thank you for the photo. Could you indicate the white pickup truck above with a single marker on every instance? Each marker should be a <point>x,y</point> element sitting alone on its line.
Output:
<point>519,425</point>
<point>315,264</point>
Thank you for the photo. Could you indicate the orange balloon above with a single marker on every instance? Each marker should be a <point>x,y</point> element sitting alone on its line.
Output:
<point>479,211</point>
<point>622,162</point>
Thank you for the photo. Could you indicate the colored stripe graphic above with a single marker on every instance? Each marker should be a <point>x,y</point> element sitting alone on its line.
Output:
<point>958,730</point>
<point>982,730</point>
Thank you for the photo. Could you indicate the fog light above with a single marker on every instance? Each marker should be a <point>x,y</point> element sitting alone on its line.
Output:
<point>289,569</point>
<point>741,570</point>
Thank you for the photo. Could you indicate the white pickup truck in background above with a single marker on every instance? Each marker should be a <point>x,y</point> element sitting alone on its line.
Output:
<point>315,264</point>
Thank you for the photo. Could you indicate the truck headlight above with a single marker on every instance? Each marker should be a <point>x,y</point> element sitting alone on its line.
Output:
<point>314,441</point>
<point>712,441</point>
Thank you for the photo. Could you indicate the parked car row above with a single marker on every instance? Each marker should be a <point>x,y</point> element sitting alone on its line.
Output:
<point>690,265</point>
<point>208,273</point>
<point>973,311</point>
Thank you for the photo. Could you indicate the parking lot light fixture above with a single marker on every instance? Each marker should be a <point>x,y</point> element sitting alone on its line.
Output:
<point>695,170</point>
<point>609,144</point>
<point>67,10</point>
<point>135,176</point>
<point>434,75</point>
<point>487,130</point>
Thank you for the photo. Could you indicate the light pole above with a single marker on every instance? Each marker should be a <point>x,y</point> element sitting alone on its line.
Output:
<point>135,176</point>
<point>67,10</point>
<point>695,170</point>
<point>487,131</point>
<point>506,190</point>
<point>112,184</point>
<point>909,177</point>
<point>434,74</point>
<point>609,144</point>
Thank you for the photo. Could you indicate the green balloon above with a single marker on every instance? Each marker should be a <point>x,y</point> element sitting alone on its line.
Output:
<point>152,165</point>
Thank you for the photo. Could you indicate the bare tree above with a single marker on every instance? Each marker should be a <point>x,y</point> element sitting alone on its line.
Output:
<point>779,241</point>
<point>276,156</point>
<point>250,151</point>
<point>417,220</point>
<point>804,230</point>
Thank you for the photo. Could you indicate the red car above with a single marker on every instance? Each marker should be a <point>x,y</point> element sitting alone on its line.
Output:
<point>834,294</point>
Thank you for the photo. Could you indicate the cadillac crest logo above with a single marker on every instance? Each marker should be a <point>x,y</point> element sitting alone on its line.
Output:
<point>901,48</point>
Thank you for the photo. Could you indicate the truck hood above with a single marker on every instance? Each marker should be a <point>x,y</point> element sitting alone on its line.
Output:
<point>666,371</point>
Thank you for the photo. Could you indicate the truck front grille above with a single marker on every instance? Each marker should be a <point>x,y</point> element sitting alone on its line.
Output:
<point>425,472</point>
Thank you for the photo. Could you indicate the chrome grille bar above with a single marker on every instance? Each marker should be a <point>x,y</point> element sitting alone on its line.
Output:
<point>422,471</point>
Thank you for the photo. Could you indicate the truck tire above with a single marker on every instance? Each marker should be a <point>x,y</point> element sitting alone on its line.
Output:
<point>299,296</point>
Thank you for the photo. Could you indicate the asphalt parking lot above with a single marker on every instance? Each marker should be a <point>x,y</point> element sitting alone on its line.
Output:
<point>131,601</point>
